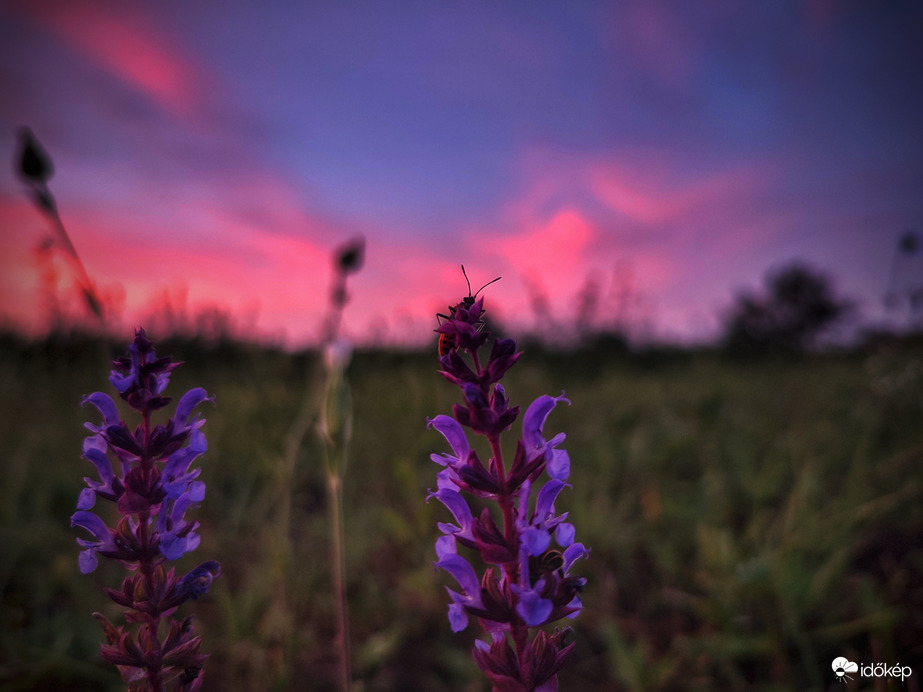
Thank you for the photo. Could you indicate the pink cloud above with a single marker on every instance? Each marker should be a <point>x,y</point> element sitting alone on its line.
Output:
<point>125,41</point>
<point>225,262</point>
<point>722,201</point>
<point>619,190</point>
<point>555,249</point>
<point>552,257</point>
<point>634,220</point>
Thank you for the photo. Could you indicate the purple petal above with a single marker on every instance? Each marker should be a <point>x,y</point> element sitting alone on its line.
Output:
<point>175,486</point>
<point>123,382</point>
<point>91,523</point>
<point>189,401</point>
<point>445,545</point>
<point>544,505</point>
<point>161,380</point>
<point>197,491</point>
<point>499,400</point>
<point>534,420</point>
<point>573,552</point>
<point>453,433</point>
<point>464,574</point>
<point>180,505</point>
<point>94,451</point>
<point>456,505</point>
<point>179,461</point>
<point>533,609</point>
<point>175,475</point>
<point>172,547</point>
<point>576,605</point>
<point>564,534</point>
<point>193,540</point>
<point>197,441</point>
<point>87,561</point>
<point>458,618</point>
<point>559,464</point>
<point>106,406</point>
<point>443,459</point>
<point>447,478</point>
<point>535,541</point>
<point>87,499</point>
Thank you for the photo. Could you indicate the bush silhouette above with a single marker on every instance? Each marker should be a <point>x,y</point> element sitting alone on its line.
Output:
<point>797,305</point>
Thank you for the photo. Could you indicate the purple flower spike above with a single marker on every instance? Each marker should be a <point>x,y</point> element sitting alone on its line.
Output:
<point>145,472</point>
<point>525,582</point>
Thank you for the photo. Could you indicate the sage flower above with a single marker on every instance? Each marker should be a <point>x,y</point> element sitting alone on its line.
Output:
<point>146,473</point>
<point>525,548</point>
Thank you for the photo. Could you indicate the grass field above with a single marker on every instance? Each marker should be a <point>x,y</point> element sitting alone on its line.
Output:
<point>749,520</point>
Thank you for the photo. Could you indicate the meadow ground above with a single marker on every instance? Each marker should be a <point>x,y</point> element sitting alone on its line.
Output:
<point>749,521</point>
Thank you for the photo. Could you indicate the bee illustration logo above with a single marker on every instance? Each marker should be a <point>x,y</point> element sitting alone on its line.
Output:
<point>447,342</point>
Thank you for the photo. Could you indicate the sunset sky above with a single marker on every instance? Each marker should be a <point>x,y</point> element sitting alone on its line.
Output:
<point>670,153</point>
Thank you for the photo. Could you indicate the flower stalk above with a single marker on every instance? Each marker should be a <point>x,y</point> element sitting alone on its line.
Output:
<point>328,406</point>
<point>525,583</point>
<point>147,474</point>
<point>35,168</point>
<point>335,429</point>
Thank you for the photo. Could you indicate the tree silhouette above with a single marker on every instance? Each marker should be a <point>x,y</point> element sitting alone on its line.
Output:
<point>797,305</point>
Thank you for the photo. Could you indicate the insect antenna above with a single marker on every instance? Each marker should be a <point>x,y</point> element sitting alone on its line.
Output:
<point>481,288</point>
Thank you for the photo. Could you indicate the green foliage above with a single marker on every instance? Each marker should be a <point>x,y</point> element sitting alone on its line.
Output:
<point>749,521</point>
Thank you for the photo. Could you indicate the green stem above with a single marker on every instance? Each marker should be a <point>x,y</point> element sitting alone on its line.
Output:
<point>338,575</point>
<point>146,563</point>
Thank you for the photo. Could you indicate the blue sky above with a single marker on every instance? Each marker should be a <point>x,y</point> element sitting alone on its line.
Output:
<point>671,152</point>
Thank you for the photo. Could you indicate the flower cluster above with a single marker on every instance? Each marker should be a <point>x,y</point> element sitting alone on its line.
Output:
<point>147,473</point>
<point>526,582</point>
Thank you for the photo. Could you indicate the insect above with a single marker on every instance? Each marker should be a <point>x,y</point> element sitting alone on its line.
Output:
<point>549,562</point>
<point>447,342</point>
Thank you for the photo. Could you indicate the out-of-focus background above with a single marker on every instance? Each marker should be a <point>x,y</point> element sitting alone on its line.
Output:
<point>707,221</point>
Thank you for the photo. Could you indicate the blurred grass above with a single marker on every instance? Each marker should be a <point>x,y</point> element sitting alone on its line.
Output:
<point>749,520</point>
